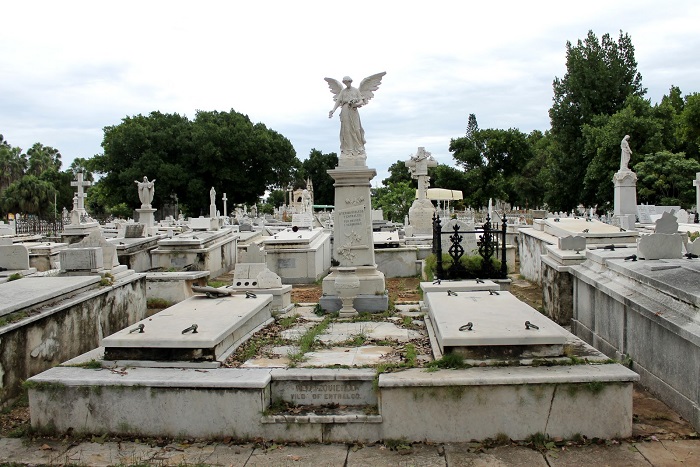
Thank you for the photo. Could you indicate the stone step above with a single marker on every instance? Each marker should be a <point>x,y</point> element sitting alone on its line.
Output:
<point>221,324</point>
<point>342,417</point>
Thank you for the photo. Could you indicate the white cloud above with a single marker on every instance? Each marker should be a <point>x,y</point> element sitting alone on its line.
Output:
<point>71,68</point>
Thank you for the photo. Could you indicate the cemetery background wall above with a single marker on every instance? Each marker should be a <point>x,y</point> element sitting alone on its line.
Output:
<point>65,330</point>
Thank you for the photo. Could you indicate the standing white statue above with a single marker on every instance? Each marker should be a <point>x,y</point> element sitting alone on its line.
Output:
<point>212,196</point>
<point>349,99</point>
<point>306,206</point>
<point>146,191</point>
<point>626,153</point>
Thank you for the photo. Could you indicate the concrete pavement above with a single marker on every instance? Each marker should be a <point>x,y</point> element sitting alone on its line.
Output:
<point>663,452</point>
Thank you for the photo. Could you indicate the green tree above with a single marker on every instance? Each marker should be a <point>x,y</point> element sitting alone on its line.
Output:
<point>29,195</point>
<point>398,172</point>
<point>395,200</point>
<point>602,139</point>
<point>13,164</point>
<point>42,158</point>
<point>663,179</point>
<point>689,125</point>
<point>276,198</point>
<point>492,160</point>
<point>316,167</point>
<point>224,150</point>
<point>600,76</point>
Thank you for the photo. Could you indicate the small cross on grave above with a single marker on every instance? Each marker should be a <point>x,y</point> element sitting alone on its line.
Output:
<point>224,199</point>
<point>418,166</point>
<point>80,183</point>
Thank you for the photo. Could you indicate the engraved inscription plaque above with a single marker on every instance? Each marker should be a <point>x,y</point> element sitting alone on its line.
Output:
<point>325,392</point>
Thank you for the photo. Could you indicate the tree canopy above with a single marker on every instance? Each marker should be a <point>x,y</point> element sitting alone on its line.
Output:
<point>31,182</point>
<point>224,150</point>
<point>600,76</point>
<point>316,167</point>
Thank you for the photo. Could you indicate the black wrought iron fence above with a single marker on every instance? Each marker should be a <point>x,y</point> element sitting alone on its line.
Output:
<point>492,240</point>
<point>35,226</point>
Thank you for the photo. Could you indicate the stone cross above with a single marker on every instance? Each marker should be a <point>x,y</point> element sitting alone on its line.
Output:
<point>80,183</point>
<point>418,166</point>
<point>696,184</point>
<point>224,199</point>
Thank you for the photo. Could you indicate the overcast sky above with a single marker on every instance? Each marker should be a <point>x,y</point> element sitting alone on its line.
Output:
<point>70,68</point>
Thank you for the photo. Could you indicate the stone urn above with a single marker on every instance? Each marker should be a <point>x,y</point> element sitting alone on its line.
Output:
<point>347,285</point>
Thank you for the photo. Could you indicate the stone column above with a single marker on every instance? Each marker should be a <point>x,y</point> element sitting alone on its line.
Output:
<point>353,246</point>
<point>625,199</point>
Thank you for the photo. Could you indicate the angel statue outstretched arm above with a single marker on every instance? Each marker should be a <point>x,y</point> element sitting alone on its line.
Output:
<point>349,99</point>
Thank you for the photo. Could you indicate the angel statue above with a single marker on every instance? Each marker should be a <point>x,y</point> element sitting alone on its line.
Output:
<point>352,135</point>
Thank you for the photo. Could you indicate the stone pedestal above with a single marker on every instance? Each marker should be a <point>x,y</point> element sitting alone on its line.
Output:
<point>421,216</point>
<point>74,233</point>
<point>353,246</point>
<point>146,217</point>
<point>625,198</point>
<point>347,285</point>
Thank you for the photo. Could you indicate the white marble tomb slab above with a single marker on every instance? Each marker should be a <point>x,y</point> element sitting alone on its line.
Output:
<point>660,246</point>
<point>289,236</point>
<point>248,270</point>
<point>667,224</point>
<point>14,257</point>
<point>216,319</point>
<point>32,291</point>
<point>302,220</point>
<point>572,242</point>
<point>459,286</point>
<point>497,320</point>
<point>82,259</point>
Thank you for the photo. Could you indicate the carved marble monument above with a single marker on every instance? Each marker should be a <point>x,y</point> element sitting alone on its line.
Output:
<point>147,190</point>
<point>349,99</point>
<point>625,181</point>
<point>420,214</point>
<point>352,228</point>
<point>81,224</point>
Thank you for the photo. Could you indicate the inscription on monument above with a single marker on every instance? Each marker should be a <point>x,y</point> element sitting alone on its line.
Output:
<point>286,263</point>
<point>325,392</point>
<point>328,392</point>
<point>352,217</point>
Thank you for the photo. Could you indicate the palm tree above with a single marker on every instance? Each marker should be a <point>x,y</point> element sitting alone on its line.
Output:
<point>13,164</point>
<point>42,158</point>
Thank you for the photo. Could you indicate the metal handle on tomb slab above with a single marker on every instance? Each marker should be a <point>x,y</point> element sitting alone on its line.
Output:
<point>529,325</point>
<point>138,329</point>
<point>467,327</point>
<point>192,328</point>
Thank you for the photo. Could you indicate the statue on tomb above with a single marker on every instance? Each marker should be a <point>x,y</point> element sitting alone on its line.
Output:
<point>212,196</point>
<point>146,191</point>
<point>350,99</point>
<point>306,206</point>
<point>626,153</point>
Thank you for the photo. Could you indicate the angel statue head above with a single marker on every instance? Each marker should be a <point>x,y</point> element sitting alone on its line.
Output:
<point>349,99</point>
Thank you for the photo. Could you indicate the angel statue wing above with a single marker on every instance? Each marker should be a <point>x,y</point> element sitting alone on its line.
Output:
<point>370,84</point>
<point>334,86</point>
